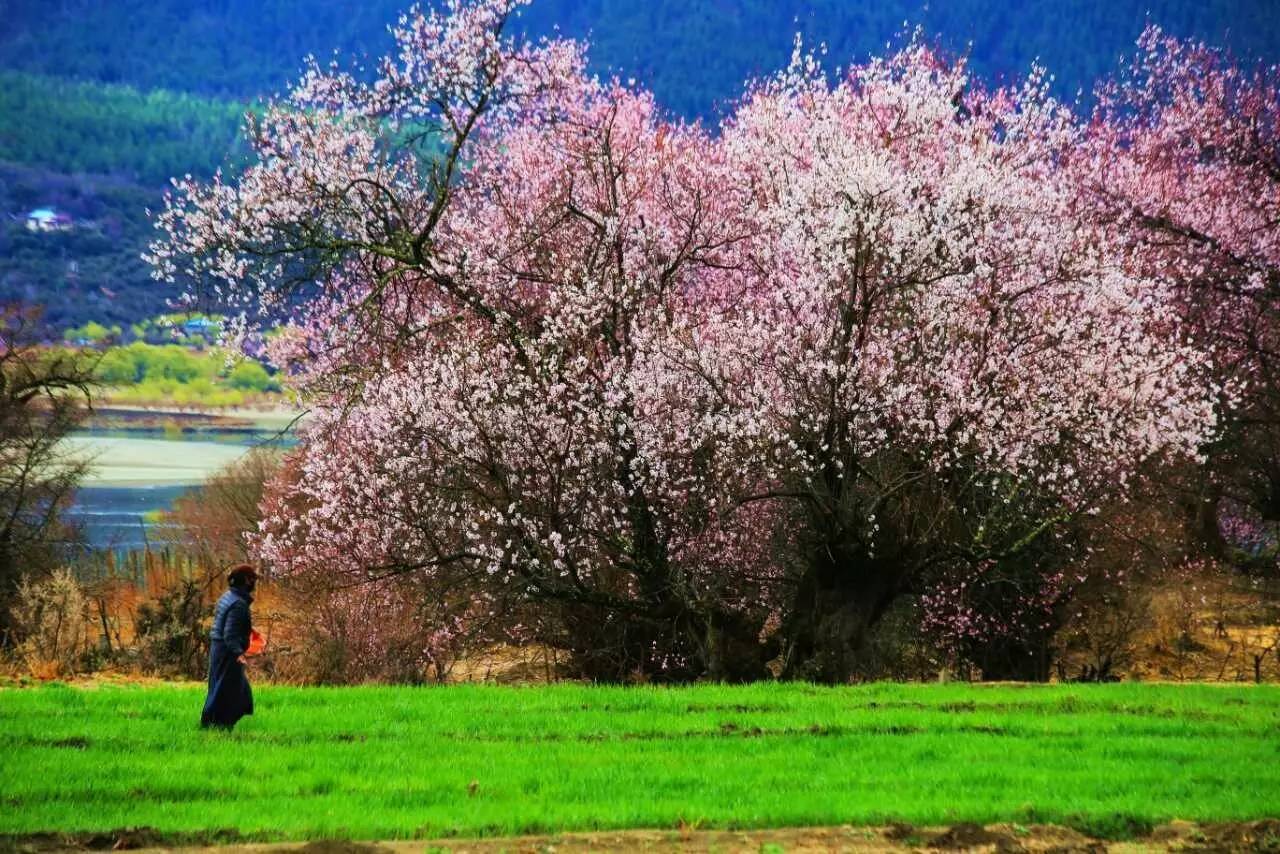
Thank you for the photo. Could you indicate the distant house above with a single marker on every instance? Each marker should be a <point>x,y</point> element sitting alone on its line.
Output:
<point>47,219</point>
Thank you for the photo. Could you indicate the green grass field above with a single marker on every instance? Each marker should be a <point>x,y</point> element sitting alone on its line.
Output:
<point>395,763</point>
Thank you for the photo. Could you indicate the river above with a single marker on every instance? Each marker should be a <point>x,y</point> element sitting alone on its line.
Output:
<point>144,460</point>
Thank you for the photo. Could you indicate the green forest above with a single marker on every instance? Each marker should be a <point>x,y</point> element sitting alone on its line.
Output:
<point>169,359</point>
<point>243,49</point>
<point>101,154</point>
<point>142,137</point>
<point>141,373</point>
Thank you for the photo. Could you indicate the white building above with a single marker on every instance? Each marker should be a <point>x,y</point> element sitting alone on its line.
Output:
<point>47,219</point>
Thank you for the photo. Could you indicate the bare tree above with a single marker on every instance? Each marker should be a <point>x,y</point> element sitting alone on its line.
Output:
<point>44,395</point>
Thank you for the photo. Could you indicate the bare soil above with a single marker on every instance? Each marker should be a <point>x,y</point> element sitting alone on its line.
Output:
<point>1261,836</point>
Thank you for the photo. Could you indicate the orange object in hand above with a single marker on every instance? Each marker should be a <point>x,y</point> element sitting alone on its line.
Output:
<point>257,643</point>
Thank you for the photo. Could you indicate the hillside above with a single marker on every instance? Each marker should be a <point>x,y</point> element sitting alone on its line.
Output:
<point>108,129</point>
<point>91,271</point>
<point>100,154</point>
<point>244,48</point>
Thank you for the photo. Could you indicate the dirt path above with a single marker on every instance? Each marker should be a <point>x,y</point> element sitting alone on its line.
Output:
<point>1263,836</point>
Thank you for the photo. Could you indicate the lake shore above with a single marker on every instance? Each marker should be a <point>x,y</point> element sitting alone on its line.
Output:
<point>267,417</point>
<point>143,458</point>
<point>149,462</point>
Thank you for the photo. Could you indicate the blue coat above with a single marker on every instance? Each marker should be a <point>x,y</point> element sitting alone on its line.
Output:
<point>230,697</point>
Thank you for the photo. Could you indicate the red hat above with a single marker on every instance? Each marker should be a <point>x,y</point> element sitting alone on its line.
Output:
<point>239,570</point>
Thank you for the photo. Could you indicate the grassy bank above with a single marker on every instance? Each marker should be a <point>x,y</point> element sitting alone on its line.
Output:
<point>384,763</point>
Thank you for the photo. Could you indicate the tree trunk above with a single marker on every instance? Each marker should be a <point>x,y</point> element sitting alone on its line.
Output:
<point>8,594</point>
<point>838,601</point>
<point>733,651</point>
<point>1202,528</point>
<point>1016,660</point>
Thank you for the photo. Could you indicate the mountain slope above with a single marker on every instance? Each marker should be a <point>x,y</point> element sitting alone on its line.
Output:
<point>694,53</point>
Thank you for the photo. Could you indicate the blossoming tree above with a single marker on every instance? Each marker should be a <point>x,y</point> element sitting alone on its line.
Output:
<point>1183,161</point>
<point>501,339</point>
<point>959,364</point>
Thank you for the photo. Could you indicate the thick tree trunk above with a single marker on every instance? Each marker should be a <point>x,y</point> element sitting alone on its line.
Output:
<point>838,601</point>
<point>733,651</point>
<point>1203,532</point>
<point>1016,661</point>
<point>8,593</point>
<point>669,643</point>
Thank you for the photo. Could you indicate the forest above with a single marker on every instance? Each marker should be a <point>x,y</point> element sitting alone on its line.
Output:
<point>241,49</point>
<point>115,131</point>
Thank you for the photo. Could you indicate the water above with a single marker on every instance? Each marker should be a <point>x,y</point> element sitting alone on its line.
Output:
<point>141,467</point>
<point>115,517</point>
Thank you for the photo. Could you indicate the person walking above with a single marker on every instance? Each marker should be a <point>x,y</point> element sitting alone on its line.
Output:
<point>230,698</point>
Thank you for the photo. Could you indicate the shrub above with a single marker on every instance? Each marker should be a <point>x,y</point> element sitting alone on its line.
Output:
<point>250,376</point>
<point>51,617</point>
<point>172,630</point>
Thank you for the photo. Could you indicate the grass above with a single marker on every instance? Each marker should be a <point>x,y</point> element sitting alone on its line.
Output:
<point>393,763</point>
